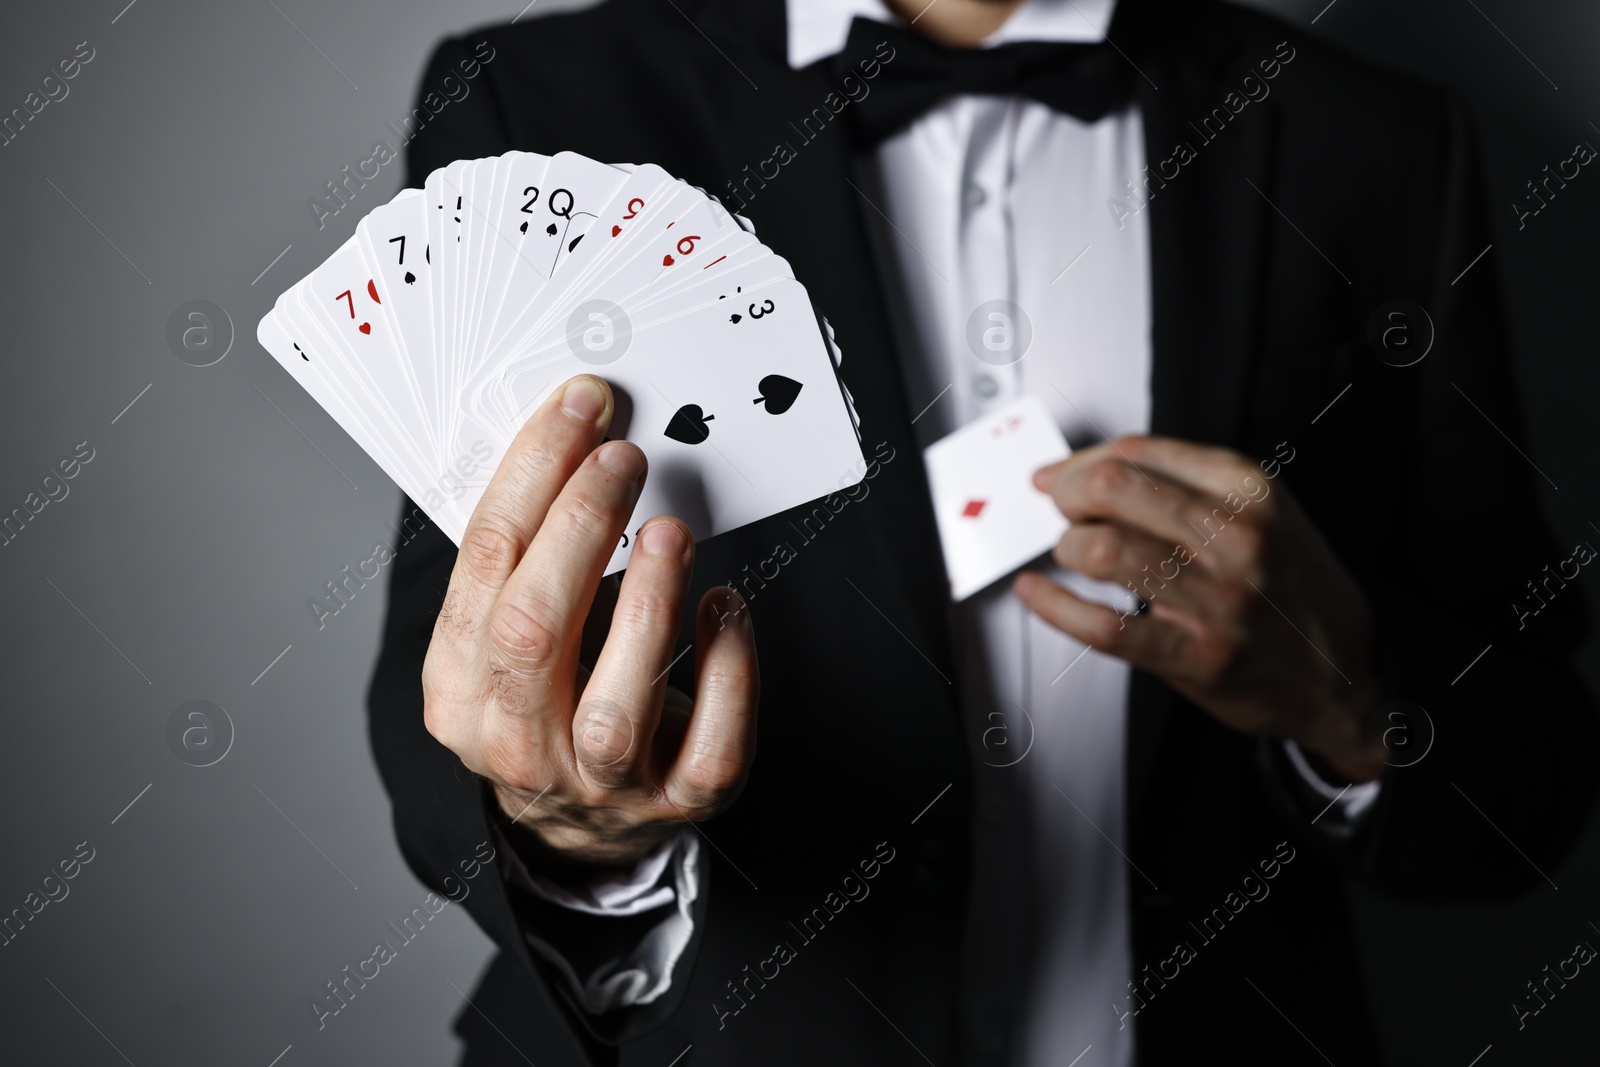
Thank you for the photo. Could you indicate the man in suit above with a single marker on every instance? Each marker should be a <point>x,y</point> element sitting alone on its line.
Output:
<point>1144,864</point>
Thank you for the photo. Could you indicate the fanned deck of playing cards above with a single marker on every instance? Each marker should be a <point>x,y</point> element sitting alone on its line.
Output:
<point>435,331</point>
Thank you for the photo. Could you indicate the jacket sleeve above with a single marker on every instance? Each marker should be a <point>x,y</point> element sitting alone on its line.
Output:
<point>441,811</point>
<point>1489,786</point>
<point>458,114</point>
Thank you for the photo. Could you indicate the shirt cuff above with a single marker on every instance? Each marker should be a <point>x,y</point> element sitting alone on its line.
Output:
<point>667,879</point>
<point>627,892</point>
<point>1343,803</point>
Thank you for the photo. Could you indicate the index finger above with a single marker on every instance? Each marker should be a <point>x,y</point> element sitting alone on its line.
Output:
<point>550,446</point>
<point>1203,467</point>
<point>1111,489</point>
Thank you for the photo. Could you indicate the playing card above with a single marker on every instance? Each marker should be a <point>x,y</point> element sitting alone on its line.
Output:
<point>510,269</point>
<point>991,519</point>
<point>436,329</point>
<point>576,188</point>
<point>739,417</point>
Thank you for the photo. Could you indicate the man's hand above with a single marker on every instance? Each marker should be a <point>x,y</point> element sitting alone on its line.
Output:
<point>1250,615</point>
<point>597,757</point>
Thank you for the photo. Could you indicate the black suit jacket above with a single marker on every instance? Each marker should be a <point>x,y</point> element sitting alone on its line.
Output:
<point>1255,331</point>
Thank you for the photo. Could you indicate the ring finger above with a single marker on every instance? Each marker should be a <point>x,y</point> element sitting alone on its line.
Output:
<point>616,719</point>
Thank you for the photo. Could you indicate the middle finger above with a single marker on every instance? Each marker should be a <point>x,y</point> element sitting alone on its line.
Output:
<point>1115,552</point>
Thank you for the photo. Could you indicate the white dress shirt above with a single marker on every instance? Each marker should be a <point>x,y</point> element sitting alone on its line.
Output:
<point>998,198</point>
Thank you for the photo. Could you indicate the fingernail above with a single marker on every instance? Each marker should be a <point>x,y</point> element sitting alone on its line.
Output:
<point>584,400</point>
<point>663,539</point>
<point>728,607</point>
<point>622,459</point>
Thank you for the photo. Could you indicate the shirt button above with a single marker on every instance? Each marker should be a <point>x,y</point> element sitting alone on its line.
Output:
<point>985,386</point>
<point>976,197</point>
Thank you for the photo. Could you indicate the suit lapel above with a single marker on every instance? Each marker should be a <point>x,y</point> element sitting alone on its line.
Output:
<point>1207,228</point>
<point>811,214</point>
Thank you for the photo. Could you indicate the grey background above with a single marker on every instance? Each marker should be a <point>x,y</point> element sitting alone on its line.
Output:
<point>180,563</point>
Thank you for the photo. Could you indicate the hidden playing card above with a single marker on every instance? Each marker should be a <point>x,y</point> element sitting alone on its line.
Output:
<point>991,519</point>
<point>433,333</point>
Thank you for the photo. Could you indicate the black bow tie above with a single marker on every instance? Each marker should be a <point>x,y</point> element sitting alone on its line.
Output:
<point>1085,81</point>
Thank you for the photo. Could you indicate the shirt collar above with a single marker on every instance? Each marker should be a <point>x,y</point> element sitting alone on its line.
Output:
<point>818,28</point>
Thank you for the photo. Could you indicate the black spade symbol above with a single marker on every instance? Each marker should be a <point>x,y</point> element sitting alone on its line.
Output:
<point>410,277</point>
<point>523,227</point>
<point>735,319</point>
<point>550,229</point>
<point>574,243</point>
<point>688,425</point>
<point>303,355</point>
<point>778,393</point>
